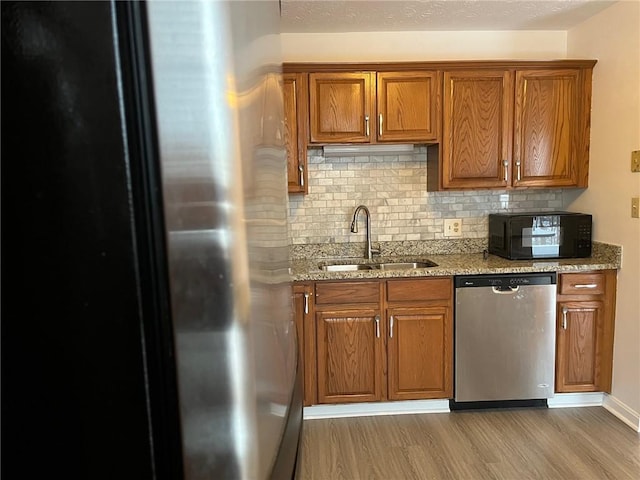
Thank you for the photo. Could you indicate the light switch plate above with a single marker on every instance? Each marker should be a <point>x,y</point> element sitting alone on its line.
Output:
<point>452,227</point>
<point>635,207</point>
<point>635,161</point>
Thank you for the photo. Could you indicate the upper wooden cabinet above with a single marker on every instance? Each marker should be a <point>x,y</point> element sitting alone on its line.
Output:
<point>551,128</point>
<point>370,107</point>
<point>477,123</point>
<point>294,91</point>
<point>491,124</point>
<point>510,127</point>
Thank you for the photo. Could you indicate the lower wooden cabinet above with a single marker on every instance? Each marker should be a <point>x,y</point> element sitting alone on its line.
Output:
<point>585,326</point>
<point>303,316</point>
<point>380,340</point>
<point>418,353</point>
<point>349,356</point>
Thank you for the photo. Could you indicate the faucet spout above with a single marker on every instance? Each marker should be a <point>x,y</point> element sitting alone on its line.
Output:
<point>354,229</point>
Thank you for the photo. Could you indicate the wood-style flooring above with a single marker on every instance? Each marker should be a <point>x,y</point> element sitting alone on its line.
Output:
<point>570,443</point>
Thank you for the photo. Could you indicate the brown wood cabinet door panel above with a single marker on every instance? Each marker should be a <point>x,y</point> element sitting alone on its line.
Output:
<point>406,106</point>
<point>419,290</point>
<point>347,292</point>
<point>294,93</point>
<point>546,129</point>
<point>582,283</point>
<point>477,126</point>
<point>419,353</point>
<point>304,319</point>
<point>580,334</point>
<point>349,356</point>
<point>340,107</point>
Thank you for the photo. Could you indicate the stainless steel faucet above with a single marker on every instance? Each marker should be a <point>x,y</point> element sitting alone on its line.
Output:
<point>354,229</point>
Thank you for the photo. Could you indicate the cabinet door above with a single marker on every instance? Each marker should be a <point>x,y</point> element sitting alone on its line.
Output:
<point>350,355</point>
<point>579,345</point>
<point>406,103</point>
<point>547,142</point>
<point>477,123</point>
<point>340,107</point>
<point>294,92</point>
<point>420,356</point>
<point>303,312</point>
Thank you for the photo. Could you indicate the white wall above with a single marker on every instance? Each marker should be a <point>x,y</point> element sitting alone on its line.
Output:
<point>422,46</point>
<point>613,38</point>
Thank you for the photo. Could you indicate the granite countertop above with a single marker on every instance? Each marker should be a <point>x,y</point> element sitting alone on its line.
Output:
<point>451,259</point>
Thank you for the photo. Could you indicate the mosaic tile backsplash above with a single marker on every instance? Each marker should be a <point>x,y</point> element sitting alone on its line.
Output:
<point>394,190</point>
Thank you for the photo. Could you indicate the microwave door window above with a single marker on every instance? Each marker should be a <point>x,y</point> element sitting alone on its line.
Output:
<point>543,237</point>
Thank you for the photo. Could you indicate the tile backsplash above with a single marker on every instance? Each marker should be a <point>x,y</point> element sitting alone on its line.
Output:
<point>394,190</point>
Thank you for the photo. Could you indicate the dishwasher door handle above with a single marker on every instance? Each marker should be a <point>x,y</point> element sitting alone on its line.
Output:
<point>506,292</point>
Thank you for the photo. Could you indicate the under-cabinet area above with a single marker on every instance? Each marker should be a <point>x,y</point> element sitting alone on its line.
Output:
<point>493,125</point>
<point>386,339</point>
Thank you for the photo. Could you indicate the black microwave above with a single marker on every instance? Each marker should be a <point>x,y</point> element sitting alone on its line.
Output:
<point>526,236</point>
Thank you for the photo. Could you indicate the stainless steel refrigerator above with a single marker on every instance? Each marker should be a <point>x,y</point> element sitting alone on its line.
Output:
<point>147,329</point>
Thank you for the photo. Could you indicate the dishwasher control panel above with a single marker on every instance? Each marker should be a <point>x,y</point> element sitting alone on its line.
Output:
<point>509,280</point>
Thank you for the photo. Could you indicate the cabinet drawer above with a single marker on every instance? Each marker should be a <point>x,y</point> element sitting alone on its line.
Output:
<point>582,283</point>
<point>347,292</point>
<point>416,290</point>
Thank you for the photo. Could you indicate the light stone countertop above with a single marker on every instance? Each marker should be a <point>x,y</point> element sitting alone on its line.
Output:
<point>305,266</point>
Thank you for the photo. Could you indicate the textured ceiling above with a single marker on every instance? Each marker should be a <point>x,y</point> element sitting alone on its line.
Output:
<point>316,16</point>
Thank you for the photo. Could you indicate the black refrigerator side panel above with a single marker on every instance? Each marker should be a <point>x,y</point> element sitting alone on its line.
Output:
<point>76,375</point>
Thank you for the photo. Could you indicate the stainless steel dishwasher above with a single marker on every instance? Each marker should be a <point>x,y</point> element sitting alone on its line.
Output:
<point>504,339</point>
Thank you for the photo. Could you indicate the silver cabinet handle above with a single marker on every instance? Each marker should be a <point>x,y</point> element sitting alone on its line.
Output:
<point>380,124</point>
<point>366,124</point>
<point>518,170</point>
<point>391,326</point>
<point>306,303</point>
<point>586,285</point>
<point>378,326</point>
<point>301,170</point>
<point>506,170</point>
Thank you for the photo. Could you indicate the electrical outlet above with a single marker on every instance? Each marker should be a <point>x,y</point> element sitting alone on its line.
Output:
<point>452,227</point>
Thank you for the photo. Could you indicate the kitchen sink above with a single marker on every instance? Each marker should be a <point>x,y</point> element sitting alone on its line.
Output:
<point>347,268</point>
<point>377,266</point>
<point>405,265</point>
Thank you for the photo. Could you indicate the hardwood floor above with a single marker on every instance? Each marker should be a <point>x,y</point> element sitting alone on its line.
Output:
<point>570,443</point>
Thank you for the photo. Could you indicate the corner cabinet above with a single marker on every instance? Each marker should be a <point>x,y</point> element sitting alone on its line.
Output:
<point>585,327</point>
<point>373,107</point>
<point>515,127</point>
<point>380,340</point>
<point>294,89</point>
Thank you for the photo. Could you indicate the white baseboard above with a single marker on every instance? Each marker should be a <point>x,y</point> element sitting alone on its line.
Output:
<point>559,400</point>
<point>586,399</point>
<point>375,408</point>
<point>622,411</point>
